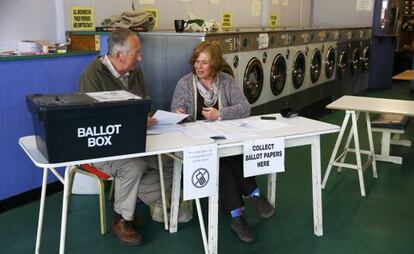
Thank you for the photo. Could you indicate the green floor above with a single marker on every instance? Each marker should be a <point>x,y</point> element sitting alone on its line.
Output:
<point>380,223</point>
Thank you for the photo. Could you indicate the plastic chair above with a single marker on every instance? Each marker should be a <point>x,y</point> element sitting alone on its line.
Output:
<point>100,176</point>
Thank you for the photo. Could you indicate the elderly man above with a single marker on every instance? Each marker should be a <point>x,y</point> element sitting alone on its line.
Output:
<point>118,70</point>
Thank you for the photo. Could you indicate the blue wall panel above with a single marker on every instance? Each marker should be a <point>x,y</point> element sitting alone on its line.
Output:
<point>18,79</point>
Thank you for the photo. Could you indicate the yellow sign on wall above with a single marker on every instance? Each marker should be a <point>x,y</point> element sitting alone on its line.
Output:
<point>83,18</point>
<point>226,20</point>
<point>273,20</point>
<point>154,12</point>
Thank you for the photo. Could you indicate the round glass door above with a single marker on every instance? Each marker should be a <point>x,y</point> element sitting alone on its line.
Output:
<point>365,59</point>
<point>342,63</point>
<point>278,74</point>
<point>356,61</point>
<point>253,80</point>
<point>330,62</point>
<point>298,72</point>
<point>316,65</point>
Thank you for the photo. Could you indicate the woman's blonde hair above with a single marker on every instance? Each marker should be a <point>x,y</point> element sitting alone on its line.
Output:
<point>216,57</point>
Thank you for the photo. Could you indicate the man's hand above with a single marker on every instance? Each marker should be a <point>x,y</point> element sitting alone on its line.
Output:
<point>181,111</point>
<point>210,114</point>
<point>151,122</point>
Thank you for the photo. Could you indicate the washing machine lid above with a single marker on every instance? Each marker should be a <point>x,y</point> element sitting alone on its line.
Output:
<point>253,80</point>
<point>330,62</point>
<point>298,69</point>
<point>316,65</point>
<point>278,73</point>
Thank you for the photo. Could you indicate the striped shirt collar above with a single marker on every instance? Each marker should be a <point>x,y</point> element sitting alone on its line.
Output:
<point>107,62</point>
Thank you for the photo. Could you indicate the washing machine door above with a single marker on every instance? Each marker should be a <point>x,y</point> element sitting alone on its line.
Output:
<point>298,71</point>
<point>355,61</point>
<point>316,65</point>
<point>330,62</point>
<point>253,80</point>
<point>278,74</point>
<point>365,59</point>
<point>342,63</point>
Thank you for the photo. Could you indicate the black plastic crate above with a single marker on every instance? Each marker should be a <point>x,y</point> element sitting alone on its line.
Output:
<point>71,127</point>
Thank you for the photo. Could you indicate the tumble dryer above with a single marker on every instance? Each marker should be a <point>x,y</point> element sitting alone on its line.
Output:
<point>252,71</point>
<point>315,75</point>
<point>343,82</point>
<point>365,46</point>
<point>355,53</point>
<point>329,62</point>
<point>278,55</point>
<point>298,68</point>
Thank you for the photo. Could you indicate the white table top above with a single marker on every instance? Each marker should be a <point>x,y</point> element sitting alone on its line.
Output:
<point>156,144</point>
<point>170,142</point>
<point>374,105</point>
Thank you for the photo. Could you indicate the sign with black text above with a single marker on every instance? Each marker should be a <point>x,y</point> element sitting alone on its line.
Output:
<point>200,171</point>
<point>263,156</point>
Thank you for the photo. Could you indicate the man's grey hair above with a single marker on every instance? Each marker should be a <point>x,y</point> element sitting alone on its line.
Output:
<point>117,41</point>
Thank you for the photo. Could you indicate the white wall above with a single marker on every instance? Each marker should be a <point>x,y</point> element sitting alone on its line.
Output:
<point>26,19</point>
<point>340,13</point>
<point>37,19</point>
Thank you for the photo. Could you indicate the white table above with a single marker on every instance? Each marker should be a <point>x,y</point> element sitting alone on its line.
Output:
<point>300,131</point>
<point>353,105</point>
<point>156,144</point>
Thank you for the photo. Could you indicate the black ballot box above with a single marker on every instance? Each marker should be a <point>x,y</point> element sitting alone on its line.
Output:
<point>70,127</point>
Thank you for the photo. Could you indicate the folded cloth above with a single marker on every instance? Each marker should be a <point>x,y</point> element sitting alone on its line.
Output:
<point>129,19</point>
<point>196,24</point>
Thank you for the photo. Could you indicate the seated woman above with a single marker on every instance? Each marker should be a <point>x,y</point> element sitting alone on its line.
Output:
<point>208,94</point>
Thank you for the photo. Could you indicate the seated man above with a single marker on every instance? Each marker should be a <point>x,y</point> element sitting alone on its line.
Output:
<point>118,70</point>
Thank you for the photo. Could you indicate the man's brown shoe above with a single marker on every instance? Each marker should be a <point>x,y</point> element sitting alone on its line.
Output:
<point>126,233</point>
<point>240,227</point>
<point>263,207</point>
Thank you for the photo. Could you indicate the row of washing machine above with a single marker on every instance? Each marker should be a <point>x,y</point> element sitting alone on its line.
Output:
<point>275,69</point>
<point>296,67</point>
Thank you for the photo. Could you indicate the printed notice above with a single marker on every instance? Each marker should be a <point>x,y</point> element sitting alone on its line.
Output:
<point>273,20</point>
<point>275,2</point>
<point>364,5</point>
<point>214,1</point>
<point>226,20</point>
<point>147,1</point>
<point>200,171</point>
<point>82,18</point>
<point>264,156</point>
<point>256,8</point>
<point>285,2</point>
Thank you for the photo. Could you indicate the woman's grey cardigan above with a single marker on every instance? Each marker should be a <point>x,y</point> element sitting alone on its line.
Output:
<point>234,104</point>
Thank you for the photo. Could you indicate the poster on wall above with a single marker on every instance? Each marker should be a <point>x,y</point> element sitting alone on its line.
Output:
<point>285,2</point>
<point>147,1</point>
<point>226,20</point>
<point>364,5</point>
<point>275,2</point>
<point>273,20</point>
<point>82,18</point>
<point>256,8</point>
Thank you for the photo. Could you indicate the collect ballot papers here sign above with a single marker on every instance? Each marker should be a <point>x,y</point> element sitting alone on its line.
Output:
<point>264,156</point>
<point>200,171</point>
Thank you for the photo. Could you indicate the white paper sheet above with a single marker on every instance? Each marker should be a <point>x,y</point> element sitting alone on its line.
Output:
<point>165,117</point>
<point>118,95</point>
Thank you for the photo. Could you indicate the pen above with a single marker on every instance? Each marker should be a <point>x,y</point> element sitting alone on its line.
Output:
<point>268,117</point>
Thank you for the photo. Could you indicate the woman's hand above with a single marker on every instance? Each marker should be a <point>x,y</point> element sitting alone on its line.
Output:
<point>210,114</point>
<point>151,122</point>
<point>181,111</point>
